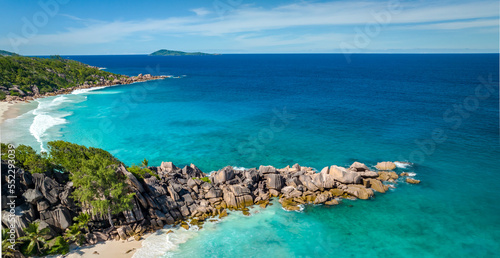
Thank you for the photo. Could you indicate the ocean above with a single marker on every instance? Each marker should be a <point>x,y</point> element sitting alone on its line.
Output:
<point>438,111</point>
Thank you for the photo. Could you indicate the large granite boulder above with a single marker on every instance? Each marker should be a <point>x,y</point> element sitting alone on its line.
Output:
<point>344,176</point>
<point>48,187</point>
<point>359,191</point>
<point>358,167</point>
<point>239,190</point>
<point>387,176</point>
<point>223,175</point>
<point>307,182</point>
<point>60,218</point>
<point>131,179</point>
<point>32,196</point>
<point>386,165</point>
<point>323,180</point>
<point>20,220</point>
<point>167,167</point>
<point>153,187</point>
<point>267,170</point>
<point>377,185</point>
<point>368,174</point>
<point>274,181</point>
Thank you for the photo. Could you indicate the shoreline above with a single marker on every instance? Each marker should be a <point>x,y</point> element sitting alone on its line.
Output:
<point>9,110</point>
<point>109,248</point>
<point>123,81</point>
<point>9,106</point>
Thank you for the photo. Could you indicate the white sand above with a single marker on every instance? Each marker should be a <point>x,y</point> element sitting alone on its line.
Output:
<point>108,249</point>
<point>4,107</point>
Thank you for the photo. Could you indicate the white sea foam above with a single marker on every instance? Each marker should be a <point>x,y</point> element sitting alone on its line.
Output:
<point>160,243</point>
<point>46,117</point>
<point>412,174</point>
<point>81,91</point>
<point>239,168</point>
<point>402,164</point>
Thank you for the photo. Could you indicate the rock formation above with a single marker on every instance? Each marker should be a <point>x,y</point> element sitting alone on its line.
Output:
<point>188,194</point>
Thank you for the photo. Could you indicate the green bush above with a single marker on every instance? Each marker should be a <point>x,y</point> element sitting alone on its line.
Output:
<point>58,246</point>
<point>139,172</point>
<point>48,74</point>
<point>28,159</point>
<point>204,179</point>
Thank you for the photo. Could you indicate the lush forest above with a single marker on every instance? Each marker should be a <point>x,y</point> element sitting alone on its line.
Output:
<point>96,184</point>
<point>7,53</point>
<point>21,75</point>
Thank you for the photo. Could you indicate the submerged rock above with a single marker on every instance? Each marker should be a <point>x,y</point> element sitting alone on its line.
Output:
<point>412,181</point>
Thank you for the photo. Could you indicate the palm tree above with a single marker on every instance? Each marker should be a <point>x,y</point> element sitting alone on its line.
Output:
<point>74,234</point>
<point>35,238</point>
<point>144,163</point>
<point>7,251</point>
<point>83,220</point>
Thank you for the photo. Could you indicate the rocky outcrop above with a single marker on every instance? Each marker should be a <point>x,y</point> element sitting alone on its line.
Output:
<point>98,82</point>
<point>181,194</point>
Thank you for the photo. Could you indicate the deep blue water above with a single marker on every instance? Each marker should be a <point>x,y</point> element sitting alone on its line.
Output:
<point>228,110</point>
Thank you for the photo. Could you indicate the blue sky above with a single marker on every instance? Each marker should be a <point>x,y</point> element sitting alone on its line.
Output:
<point>71,27</point>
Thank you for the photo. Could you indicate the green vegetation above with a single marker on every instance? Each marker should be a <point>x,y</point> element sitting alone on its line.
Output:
<point>204,179</point>
<point>76,232</point>
<point>93,172</point>
<point>139,172</point>
<point>34,240</point>
<point>7,250</point>
<point>7,53</point>
<point>58,246</point>
<point>19,75</point>
<point>28,159</point>
<point>144,163</point>
<point>166,52</point>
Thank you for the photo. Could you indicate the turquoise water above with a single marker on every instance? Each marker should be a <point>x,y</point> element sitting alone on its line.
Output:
<point>228,110</point>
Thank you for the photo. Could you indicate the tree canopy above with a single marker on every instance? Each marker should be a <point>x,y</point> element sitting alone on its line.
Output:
<point>47,74</point>
<point>94,174</point>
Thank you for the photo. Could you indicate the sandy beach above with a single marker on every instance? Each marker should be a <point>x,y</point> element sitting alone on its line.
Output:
<point>8,111</point>
<point>4,107</point>
<point>111,248</point>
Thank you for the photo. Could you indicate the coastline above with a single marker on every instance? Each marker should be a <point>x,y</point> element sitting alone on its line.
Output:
<point>123,81</point>
<point>9,106</point>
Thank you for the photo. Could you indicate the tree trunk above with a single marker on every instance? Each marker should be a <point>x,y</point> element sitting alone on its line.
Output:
<point>109,218</point>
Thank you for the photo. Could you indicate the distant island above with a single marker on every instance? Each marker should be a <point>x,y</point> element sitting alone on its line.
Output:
<point>166,52</point>
<point>7,53</point>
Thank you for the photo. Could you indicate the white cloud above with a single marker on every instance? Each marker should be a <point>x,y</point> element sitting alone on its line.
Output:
<point>248,19</point>
<point>201,11</point>
<point>482,23</point>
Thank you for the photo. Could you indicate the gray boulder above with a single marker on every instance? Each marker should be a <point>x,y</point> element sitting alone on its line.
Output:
<point>274,181</point>
<point>358,167</point>
<point>267,170</point>
<point>223,175</point>
<point>32,196</point>
<point>344,176</point>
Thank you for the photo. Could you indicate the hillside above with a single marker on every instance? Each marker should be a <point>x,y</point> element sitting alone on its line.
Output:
<point>7,53</point>
<point>166,52</point>
<point>31,76</point>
